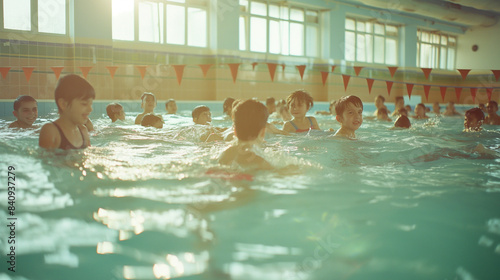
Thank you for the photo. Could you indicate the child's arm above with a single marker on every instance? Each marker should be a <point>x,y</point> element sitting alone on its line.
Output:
<point>89,125</point>
<point>273,129</point>
<point>49,137</point>
<point>138,119</point>
<point>85,133</point>
<point>315,123</point>
<point>288,127</point>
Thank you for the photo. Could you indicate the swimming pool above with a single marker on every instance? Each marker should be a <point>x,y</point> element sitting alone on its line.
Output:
<point>140,204</point>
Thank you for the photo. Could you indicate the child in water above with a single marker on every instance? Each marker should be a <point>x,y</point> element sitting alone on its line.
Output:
<point>492,118</point>
<point>25,111</point>
<point>115,112</point>
<point>420,112</point>
<point>473,120</point>
<point>350,116</point>
<point>148,104</point>
<point>171,107</point>
<point>299,102</point>
<point>152,120</point>
<point>74,97</point>
<point>450,110</point>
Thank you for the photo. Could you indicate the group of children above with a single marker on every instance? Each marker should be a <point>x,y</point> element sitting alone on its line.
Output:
<point>74,97</point>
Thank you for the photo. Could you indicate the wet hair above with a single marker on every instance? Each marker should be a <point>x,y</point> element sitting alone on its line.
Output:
<point>150,119</point>
<point>143,96</point>
<point>302,96</point>
<point>403,111</point>
<point>112,109</point>
<point>168,101</point>
<point>250,117</point>
<point>382,111</point>
<point>475,113</point>
<point>227,106</point>
<point>198,110</point>
<point>421,105</point>
<point>381,97</point>
<point>344,101</point>
<point>72,87</point>
<point>270,101</point>
<point>398,98</point>
<point>21,99</point>
<point>402,121</point>
<point>494,103</point>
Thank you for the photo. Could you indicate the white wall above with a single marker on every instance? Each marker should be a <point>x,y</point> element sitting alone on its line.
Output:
<point>488,54</point>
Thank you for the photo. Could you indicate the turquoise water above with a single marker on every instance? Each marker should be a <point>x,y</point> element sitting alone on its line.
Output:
<point>139,204</point>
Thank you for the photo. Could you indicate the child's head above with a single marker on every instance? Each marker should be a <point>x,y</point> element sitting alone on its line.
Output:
<point>148,102</point>
<point>171,106</point>
<point>399,102</point>
<point>349,112</point>
<point>271,104</point>
<point>74,96</point>
<point>450,106</point>
<point>382,114</point>
<point>492,107</point>
<point>201,115</point>
<point>227,106</point>
<point>152,120</point>
<point>115,112</point>
<point>25,110</point>
<point>379,101</point>
<point>408,108</point>
<point>420,110</point>
<point>284,113</point>
<point>299,102</point>
<point>403,122</point>
<point>473,119</point>
<point>250,120</point>
<point>403,112</point>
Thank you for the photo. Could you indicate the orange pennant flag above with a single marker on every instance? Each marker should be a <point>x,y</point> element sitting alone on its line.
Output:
<point>464,73</point>
<point>179,71</point>
<point>254,64</point>
<point>85,70</point>
<point>301,69</point>
<point>426,91</point>
<point>389,87</point>
<point>496,73</point>
<point>333,68</point>
<point>409,89</point>
<point>234,70</point>
<point>57,71</point>
<point>427,72</point>
<point>4,71</point>
<point>27,72</point>
<point>473,92</point>
<point>142,70</point>
<point>489,92</point>
<point>392,70</point>
<point>205,68</point>
<point>112,70</point>
<point>324,76</point>
<point>272,69</point>
<point>346,81</point>
<point>458,91</point>
<point>283,67</point>
<point>370,84</point>
<point>443,92</point>
<point>357,69</point>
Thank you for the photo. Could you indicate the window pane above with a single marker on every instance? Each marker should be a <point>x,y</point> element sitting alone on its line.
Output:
<point>349,46</point>
<point>379,29</point>
<point>178,1</point>
<point>425,37</point>
<point>52,16</point>
<point>123,19</point>
<point>379,49</point>
<point>197,27</point>
<point>297,15</point>
<point>444,40</point>
<point>176,24</point>
<point>312,41</point>
<point>435,39</point>
<point>243,34</point>
<point>244,6</point>
<point>369,27</point>
<point>149,22</point>
<point>258,34</point>
<point>360,26</point>
<point>349,24</point>
<point>442,58</point>
<point>274,39</point>
<point>258,8</point>
<point>425,55</point>
<point>296,39</point>
<point>451,59</point>
<point>312,17</point>
<point>360,48</point>
<point>391,52</point>
<point>274,11</point>
<point>17,14</point>
<point>391,30</point>
<point>369,48</point>
<point>284,13</point>
<point>285,37</point>
<point>452,41</point>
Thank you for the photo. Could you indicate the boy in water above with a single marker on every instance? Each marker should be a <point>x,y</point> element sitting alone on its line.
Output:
<point>202,116</point>
<point>492,118</point>
<point>25,111</point>
<point>148,104</point>
<point>74,97</point>
<point>420,112</point>
<point>250,120</point>
<point>379,103</point>
<point>399,103</point>
<point>450,110</point>
<point>473,120</point>
<point>350,116</point>
<point>171,107</point>
<point>382,115</point>
<point>115,112</point>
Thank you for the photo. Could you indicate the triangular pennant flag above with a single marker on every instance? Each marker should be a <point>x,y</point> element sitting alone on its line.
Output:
<point>234,70</point>
<point>333,68</point>
<point>370,84</point>
<point>464,73</point>
<point>4,71</point>
<point>254,64</point>
<point>443,92</point>
<point>57,71</point>
<point>357,69</point>
<point>27,72</point>
<point>489,92</point>
<point>473,92</point>
<point>301,69</point>
<point>409,89</point>
<point>389,86</point>
<point>205,68</point>
<point>283,67</point>
<point>85,70</point>
<point>496,73</point>
<point>142,69</point>
<point>392,70</point>
<point>426,91</point>
<point>179,71</point>
<point>427,72</point>
<point>272,69</point>
<point>112,70</point>
<point>324,76</point>
<point>346,81</point>
<point>458,91</point>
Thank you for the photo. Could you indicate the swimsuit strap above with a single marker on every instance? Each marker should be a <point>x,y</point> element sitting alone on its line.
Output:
<point>294,126</point>
<point>310,121</point>
<point>65,144</point>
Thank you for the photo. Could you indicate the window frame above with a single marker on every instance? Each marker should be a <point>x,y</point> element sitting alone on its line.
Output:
<point>436,63</point>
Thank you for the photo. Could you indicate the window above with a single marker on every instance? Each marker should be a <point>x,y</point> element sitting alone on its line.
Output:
<point>370,41</point>
<point>278,29</point>
<point>49,17</point>
<point>178,22</point>
<point>436,50</point>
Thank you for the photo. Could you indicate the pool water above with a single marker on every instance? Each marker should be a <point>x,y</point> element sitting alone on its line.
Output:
<point>140,204</point>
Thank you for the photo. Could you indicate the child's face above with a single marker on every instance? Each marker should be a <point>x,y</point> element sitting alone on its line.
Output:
<point>27,113</point>
<point>171,108</point>
<point>204,118</point>
<point>400,103</point>
<point>491,108</point>
<point>471,123</point>
<point>148,103</point>
<point>298,109</point>
<point>419,111</point>
<point>79,110</point>
<point>378,102</point>
<point>352,117</point>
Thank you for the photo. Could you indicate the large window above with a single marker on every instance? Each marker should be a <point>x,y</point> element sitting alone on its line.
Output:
<point>45,16</point>
<point>370,41</point>
<point>436,50</point>
<point>178,22</point>
<point>278,28</point>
